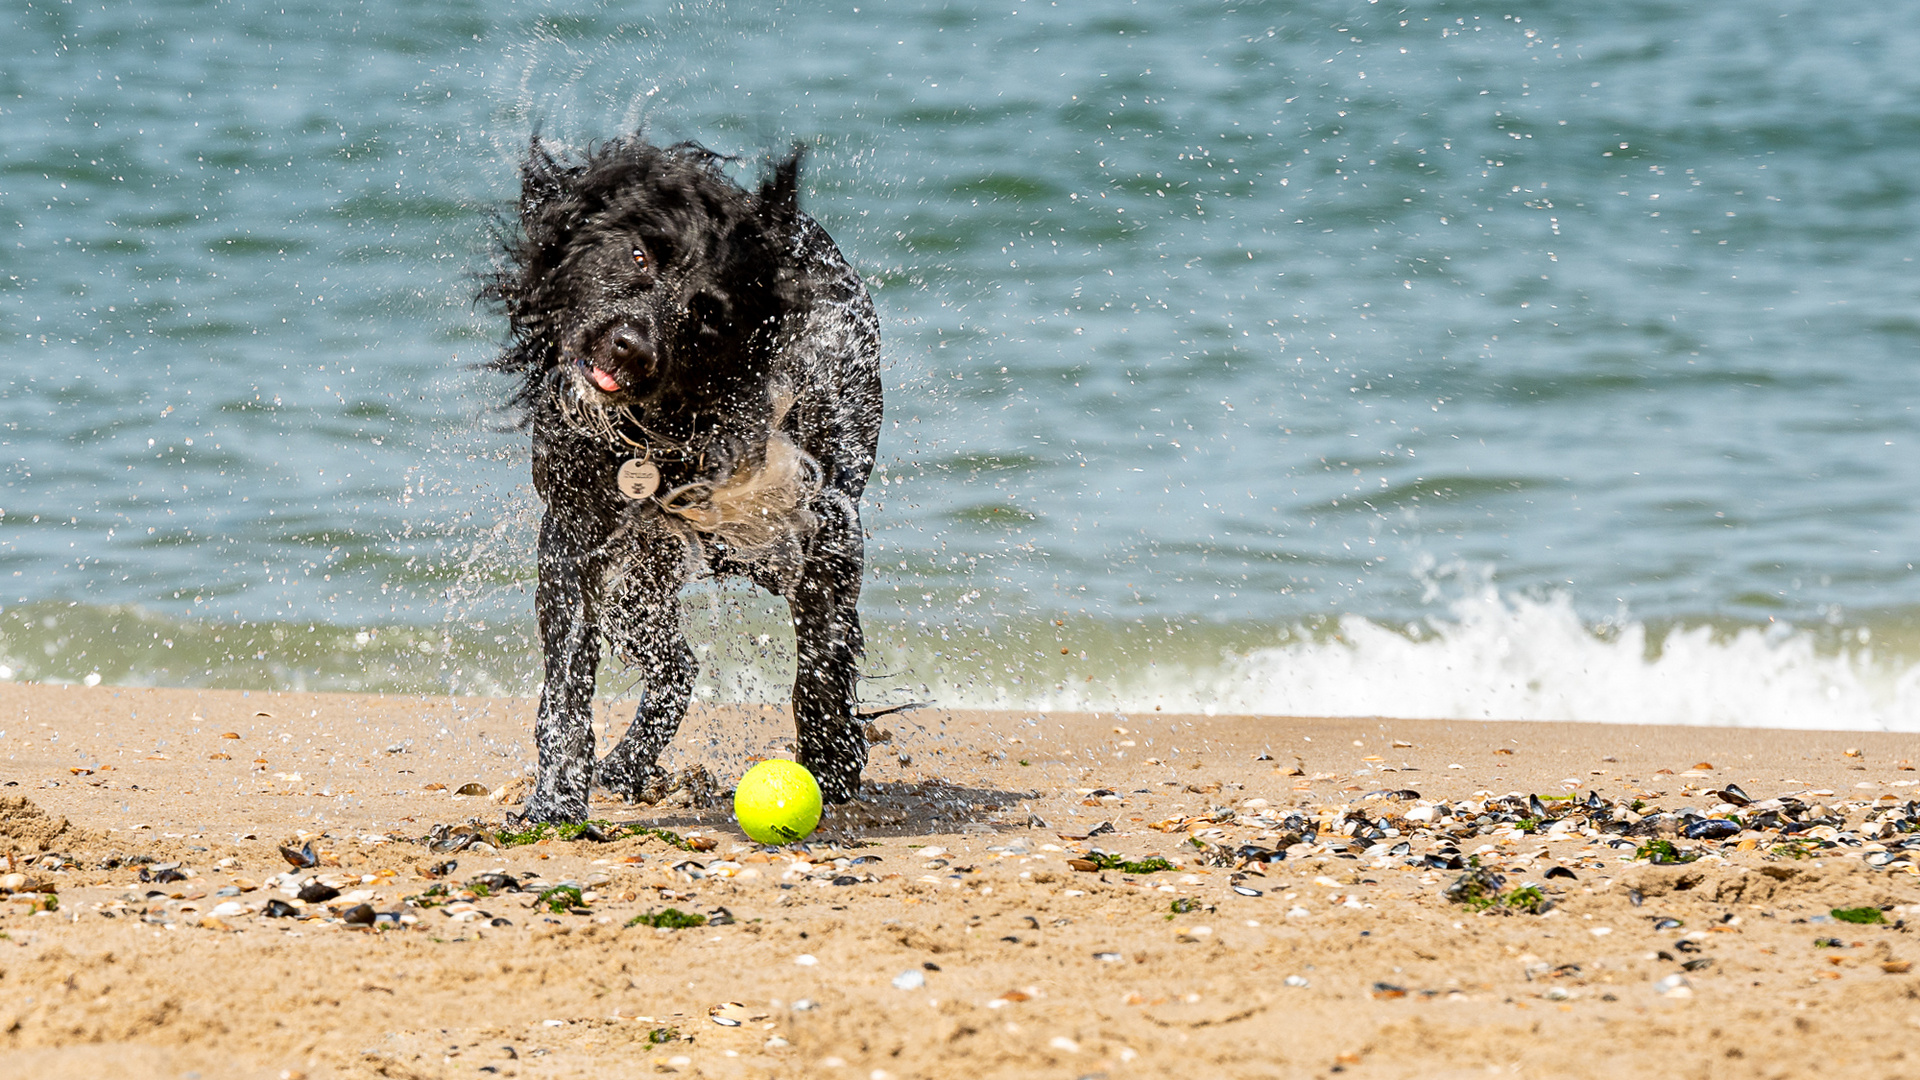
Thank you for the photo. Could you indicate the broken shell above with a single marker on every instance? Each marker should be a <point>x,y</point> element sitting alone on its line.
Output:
<point>734,1013</point>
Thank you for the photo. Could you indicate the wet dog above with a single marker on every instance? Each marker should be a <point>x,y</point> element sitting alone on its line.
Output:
<point>700,371</point>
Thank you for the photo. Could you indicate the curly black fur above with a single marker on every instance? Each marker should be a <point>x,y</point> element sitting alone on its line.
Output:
<point>659,312</point>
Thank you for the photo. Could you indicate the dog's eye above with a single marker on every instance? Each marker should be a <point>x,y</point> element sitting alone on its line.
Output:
<point>639,257</point>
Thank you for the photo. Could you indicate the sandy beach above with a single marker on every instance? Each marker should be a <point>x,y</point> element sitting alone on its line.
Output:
<point>1017,895</point>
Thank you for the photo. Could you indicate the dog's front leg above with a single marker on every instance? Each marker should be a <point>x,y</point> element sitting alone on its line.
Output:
<point>826,627</point>
<point>563,730</point>
<point>670,669</point>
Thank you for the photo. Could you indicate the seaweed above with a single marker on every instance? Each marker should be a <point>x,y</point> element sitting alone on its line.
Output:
<point>1861,916</point>
<point>1152,864</point>
<point>1482,890</point>
<point>670,919</point>
<point>1663,853</point>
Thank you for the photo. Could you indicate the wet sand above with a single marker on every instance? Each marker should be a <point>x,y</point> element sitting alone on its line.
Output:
<point>955,923</point>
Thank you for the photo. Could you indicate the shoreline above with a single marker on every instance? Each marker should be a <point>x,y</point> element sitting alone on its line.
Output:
<point>1043,937</point>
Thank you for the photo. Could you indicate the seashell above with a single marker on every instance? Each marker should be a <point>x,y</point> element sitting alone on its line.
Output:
<point>1668,924</point>
<point>462,837</point>
<point>228,909</point>
<point>313,892</point>
<point>473,788</point>
<point>1710,829</point>
<point>280,909</point>
<point>302,858</point>
<point>499,921</point>
<point>1108,957</point>
<point>1561,872</point>
<point>910,979</point>
<point>1244,890</point>
<point>1674,986</point>
<point>358,915</point>
<point>1297,981</point>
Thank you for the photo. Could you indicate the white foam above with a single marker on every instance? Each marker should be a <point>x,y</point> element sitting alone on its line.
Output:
<point>1513,658</point>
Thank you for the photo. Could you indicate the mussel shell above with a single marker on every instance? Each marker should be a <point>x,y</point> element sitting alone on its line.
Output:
<point>315,893</point>
<point>1710,829</point>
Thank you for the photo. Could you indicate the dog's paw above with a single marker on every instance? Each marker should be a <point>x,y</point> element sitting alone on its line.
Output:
<point>624,779</point>
<point>545,811</point>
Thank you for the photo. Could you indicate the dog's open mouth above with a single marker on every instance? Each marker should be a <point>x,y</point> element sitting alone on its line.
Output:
<point>601,379</point>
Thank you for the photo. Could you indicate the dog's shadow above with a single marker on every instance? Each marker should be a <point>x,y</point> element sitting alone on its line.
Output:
<point>884,809</point>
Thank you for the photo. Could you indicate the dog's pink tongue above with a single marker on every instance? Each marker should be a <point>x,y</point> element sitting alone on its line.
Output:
<point>603,380</point>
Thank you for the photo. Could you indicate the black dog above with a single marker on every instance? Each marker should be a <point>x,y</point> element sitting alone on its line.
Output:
<point>702,380</point>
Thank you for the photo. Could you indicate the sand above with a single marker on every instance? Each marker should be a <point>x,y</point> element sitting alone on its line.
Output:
<point>938,929</point>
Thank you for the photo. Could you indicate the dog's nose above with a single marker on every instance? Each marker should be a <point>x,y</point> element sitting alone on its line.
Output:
<point>627,348</point>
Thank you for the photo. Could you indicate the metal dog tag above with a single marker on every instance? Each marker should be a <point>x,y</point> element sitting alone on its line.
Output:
<point>638,479</point>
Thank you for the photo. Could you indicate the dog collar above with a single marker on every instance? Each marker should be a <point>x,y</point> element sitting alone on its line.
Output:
<point>638,478</point>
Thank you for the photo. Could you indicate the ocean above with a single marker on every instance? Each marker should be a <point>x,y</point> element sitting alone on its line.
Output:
<point>1546,361</point>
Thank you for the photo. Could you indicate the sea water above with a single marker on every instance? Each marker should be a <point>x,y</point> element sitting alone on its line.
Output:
<point>1540,361</point>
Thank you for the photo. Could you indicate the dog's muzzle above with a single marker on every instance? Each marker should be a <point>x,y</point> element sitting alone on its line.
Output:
<point>619,359</point>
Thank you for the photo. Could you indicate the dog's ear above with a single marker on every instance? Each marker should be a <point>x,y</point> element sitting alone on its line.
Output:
<point>780,193</point>
<point>542,178</point>
<point>712,311</point>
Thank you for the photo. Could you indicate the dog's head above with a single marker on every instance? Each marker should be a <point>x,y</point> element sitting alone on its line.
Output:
<point>643,276</point>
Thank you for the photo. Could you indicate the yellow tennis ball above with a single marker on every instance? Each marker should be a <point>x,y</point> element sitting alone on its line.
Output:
<point>777,802</point>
